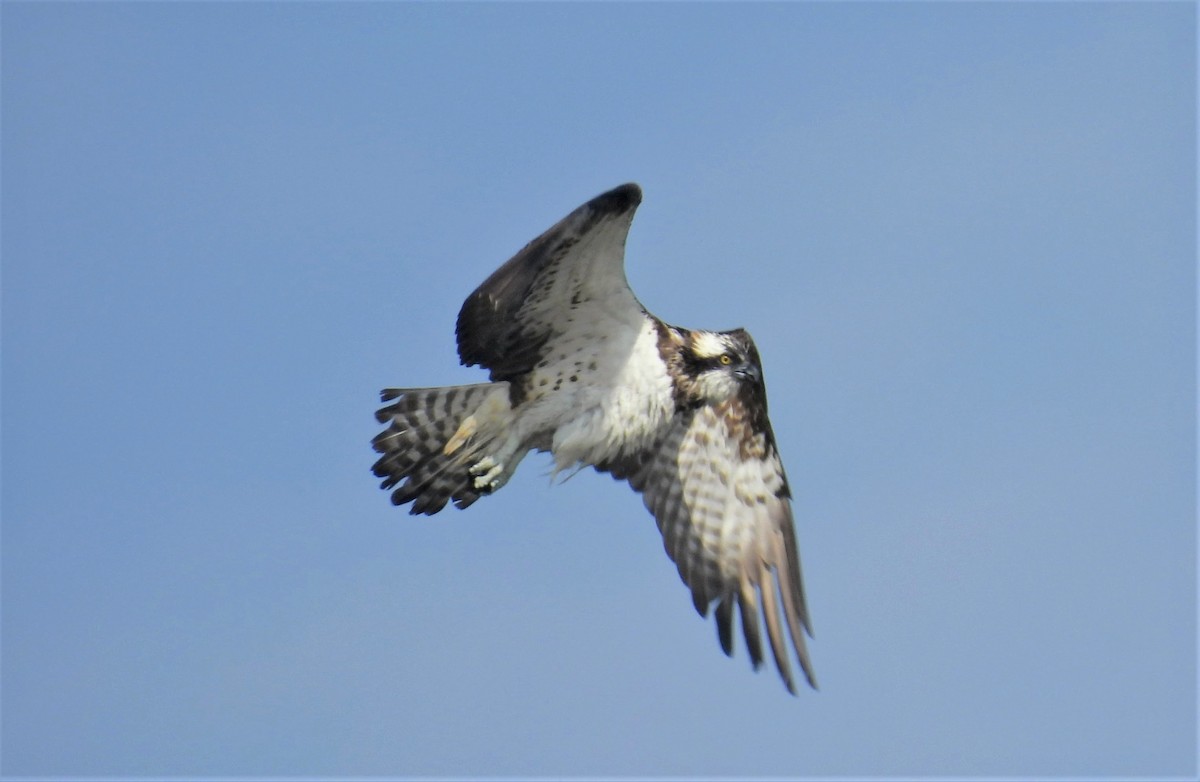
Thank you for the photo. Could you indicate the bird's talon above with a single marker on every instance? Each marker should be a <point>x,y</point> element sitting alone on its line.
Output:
<point>487,474</point>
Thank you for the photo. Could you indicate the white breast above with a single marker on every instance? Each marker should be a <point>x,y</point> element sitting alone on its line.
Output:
<point>619,401</point>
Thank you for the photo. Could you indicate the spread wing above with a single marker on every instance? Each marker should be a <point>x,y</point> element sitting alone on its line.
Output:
<point>716,486</point>
<point>571,275</point>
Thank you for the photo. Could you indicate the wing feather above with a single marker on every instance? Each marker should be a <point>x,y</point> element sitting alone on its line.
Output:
<point>717,489</point>
<point>572,273</point>
<point>724,615</point>
<point>748,607</point>
<point>771,614</point>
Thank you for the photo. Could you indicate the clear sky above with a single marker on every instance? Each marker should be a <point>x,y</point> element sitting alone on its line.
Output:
<point>963,237</point>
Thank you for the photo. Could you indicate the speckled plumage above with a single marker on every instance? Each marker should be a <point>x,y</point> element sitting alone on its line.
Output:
<point>579,368</point>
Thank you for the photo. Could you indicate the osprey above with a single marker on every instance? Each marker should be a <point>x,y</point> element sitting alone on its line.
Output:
<point>579,368</point>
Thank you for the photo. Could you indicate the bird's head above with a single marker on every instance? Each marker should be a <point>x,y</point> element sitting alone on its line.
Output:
<point>722,364</point>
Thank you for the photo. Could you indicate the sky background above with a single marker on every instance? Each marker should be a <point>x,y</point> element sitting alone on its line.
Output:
<point>963,237</point>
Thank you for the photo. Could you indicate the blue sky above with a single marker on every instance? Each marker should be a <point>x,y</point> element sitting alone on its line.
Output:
<point>963,237</point>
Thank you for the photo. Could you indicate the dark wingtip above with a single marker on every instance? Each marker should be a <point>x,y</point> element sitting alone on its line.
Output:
<point>619,199</point>
<point>724,614</point>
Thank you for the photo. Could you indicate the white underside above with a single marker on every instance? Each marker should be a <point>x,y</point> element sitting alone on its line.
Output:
<point>619,407</point>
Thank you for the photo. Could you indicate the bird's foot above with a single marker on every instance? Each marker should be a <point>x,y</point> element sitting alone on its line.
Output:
<point>488,473</point>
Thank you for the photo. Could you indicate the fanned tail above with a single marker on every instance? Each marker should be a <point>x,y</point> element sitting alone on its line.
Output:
<point>435,438</point>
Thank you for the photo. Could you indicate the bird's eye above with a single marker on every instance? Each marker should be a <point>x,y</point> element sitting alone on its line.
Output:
<point>725,359</point>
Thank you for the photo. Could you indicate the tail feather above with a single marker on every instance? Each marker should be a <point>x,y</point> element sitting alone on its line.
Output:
<point>433,439</point>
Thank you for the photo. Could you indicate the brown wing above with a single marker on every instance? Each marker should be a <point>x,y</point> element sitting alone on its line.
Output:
<point>571,272</point>
<point>717,488</point>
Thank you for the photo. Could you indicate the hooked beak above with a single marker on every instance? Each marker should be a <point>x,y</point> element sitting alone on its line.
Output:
<point>749,372</point>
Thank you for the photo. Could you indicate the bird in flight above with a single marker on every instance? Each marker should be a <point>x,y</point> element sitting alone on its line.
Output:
<point>578,367</point>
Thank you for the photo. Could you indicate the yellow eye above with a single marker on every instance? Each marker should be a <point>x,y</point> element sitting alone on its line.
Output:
<point>725,359</point>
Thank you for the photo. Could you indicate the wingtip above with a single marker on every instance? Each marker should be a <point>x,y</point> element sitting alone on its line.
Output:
<point>790,683</point>
<point>619,199</point>
<point>631,191</point>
